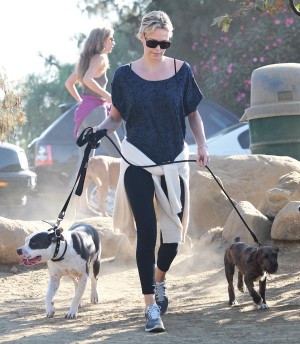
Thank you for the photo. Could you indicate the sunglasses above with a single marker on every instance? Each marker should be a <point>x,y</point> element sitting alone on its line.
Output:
<point>152,43</point>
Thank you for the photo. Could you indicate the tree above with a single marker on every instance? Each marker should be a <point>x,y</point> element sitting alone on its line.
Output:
<point>249,6</point>
<point>11,113</point>
<point>44,95</point>
<point>223,63</point>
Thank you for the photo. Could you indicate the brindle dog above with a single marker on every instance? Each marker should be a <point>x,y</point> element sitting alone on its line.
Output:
<point>253,263</point>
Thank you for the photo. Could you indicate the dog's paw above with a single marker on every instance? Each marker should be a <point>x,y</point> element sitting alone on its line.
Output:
<point>234,303</point>
<point>71,315</point>
<point>50,310</point>
<point>94,297</point>
<point>262,306</point>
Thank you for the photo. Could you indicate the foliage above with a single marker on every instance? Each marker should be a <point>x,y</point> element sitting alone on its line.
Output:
<point>223,64</point>
<point>246,7</point>
<point>44,95</point>
<point>11,113</point>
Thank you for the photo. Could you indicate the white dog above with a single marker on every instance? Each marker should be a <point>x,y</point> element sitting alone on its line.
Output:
<point>74,253</point>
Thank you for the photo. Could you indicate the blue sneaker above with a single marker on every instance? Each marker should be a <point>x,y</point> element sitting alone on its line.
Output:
<point>153,319</point>
<point>160,296</point>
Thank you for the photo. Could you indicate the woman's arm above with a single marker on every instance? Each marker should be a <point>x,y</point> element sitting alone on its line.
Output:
<point>112,122</point>
<point>71,87</point>
<point>96,63</point>
<point>196,124</point>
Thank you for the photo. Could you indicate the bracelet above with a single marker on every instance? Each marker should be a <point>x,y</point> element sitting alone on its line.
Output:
<point>199,147</point>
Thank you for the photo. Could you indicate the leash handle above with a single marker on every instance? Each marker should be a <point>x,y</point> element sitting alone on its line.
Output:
<point>91,139</point>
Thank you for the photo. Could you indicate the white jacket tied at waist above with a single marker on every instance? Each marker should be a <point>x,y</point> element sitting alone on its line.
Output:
<point>173,230</point>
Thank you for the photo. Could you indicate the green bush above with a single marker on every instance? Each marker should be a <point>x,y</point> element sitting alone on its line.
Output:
<point>223,62</point>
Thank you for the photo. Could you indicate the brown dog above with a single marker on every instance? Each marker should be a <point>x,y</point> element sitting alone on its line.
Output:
<point>104,172</point>
<point>253,264</point>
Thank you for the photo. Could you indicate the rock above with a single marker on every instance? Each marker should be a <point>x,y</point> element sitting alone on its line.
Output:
<point>209,207</point>
<point>287,189</point>
<point>286,225</point>
<point>244,177</point>
<point>12,236</point>
<point>256,221</point>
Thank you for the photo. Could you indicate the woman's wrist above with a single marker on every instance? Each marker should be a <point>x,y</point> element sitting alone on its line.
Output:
<point>201,146</point>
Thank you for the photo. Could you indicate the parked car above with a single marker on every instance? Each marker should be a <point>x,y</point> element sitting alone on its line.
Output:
<point>233,140</point>
<point>16,180</point>
<point>54,154</point>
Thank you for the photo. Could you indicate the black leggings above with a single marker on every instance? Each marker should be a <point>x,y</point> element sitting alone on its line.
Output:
<point>139,187</point>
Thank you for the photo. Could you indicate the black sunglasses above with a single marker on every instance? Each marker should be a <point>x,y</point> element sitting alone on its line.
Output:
<point>152,43</point>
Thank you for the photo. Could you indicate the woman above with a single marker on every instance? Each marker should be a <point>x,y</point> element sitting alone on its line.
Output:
<point>91,73</point>
<point>153,95</point>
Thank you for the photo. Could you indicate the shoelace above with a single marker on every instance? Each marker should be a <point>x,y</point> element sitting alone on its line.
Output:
<point>160,290</point>
<point>153,312</point>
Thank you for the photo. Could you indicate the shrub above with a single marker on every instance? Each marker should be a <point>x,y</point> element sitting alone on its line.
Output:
<point>226,60</point>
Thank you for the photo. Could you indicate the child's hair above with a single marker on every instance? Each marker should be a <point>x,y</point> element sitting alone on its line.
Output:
<point>93,45</point>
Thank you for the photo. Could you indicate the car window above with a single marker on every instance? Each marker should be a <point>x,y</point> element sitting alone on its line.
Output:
<point>9,160</point>
<point>244,139</point>
<point>215,118</point>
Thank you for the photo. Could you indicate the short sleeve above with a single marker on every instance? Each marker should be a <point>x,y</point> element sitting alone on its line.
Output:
<point>192,93</point>
<point>117,91</point>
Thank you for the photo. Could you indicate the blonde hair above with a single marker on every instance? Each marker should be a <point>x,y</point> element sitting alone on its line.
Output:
<point>155,20</point>
<point>93,45</point>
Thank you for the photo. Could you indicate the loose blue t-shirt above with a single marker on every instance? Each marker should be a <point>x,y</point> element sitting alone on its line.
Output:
<point>155,111</point>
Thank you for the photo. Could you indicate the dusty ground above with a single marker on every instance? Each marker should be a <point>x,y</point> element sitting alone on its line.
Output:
<point>198,311</point>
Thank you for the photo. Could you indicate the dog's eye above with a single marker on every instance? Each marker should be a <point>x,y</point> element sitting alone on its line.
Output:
<point>33,244</point>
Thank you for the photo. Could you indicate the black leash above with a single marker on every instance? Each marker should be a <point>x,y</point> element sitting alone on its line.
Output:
<point>92,140</point>
<point>210,171</point>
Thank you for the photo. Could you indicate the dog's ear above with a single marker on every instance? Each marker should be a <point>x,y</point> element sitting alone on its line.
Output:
<point>252,256</point>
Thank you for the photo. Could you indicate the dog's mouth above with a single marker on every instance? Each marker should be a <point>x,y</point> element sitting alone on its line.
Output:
<point>272,269</point>
<point>32,261</point>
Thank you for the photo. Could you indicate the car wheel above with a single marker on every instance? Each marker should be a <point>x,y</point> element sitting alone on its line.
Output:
<point>93,199</point>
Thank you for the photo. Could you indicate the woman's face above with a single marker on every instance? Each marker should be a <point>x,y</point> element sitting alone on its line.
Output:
<point>109,44</point>
<point>158,35</point>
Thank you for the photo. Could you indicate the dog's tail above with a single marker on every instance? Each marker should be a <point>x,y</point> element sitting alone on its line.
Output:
<point>237,239</point>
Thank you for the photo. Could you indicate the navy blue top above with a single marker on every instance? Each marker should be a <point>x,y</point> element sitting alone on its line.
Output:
<point>155,111</point>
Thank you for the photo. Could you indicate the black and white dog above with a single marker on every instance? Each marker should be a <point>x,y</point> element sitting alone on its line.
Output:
<point>74,253</point>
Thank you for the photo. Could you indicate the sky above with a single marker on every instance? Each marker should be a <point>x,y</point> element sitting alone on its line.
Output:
<point>28,27</point>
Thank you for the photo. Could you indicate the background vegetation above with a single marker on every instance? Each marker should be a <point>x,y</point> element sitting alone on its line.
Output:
<point>245,35</point>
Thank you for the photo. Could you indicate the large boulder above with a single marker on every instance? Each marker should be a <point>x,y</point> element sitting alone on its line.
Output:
<point>244,177</point>
<point>286,225</point>
<point>287,189</point>
<point>12,236</point>
<point>258,223</point>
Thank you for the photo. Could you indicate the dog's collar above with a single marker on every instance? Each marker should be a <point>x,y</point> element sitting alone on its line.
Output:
<point>59,237</point>
<point>57,250</point>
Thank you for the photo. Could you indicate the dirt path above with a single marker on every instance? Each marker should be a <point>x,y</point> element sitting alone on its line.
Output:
<point>198,311</point>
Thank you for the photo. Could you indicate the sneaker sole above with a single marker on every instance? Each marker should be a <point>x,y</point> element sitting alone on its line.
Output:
<point>155,329</point>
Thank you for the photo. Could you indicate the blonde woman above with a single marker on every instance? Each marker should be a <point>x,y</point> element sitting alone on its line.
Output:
<point>90,72</point>
<point>153,95</point>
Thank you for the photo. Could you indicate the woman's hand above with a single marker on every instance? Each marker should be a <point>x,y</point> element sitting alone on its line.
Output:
<point>203,156</point>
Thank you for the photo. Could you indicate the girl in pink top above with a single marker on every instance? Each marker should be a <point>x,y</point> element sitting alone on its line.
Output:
<point>90,72</point>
